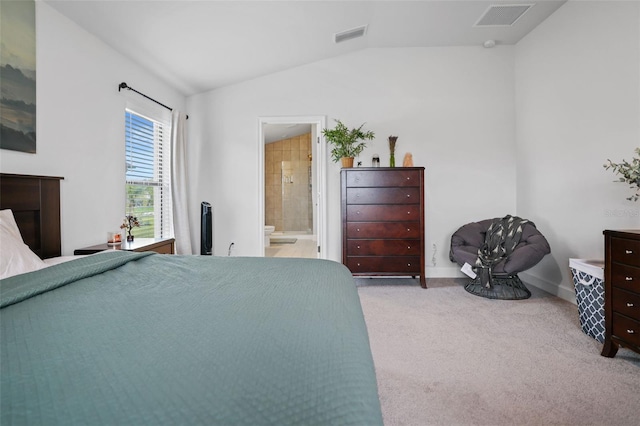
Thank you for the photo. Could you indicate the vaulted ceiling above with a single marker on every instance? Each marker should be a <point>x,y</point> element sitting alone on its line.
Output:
<point>197,46</point>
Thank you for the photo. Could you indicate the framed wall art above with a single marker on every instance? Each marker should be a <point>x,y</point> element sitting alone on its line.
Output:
<point>18,75</point>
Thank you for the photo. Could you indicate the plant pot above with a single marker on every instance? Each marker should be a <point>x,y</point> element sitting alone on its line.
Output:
<point>347,162</point>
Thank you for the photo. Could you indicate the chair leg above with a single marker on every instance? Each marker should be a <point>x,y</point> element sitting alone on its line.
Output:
<point>504,287</point>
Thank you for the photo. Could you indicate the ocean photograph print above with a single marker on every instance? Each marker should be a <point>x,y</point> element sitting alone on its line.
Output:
<point>18,75</point>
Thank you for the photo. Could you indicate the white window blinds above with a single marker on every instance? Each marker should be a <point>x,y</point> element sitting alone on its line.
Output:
<point>148,175</point>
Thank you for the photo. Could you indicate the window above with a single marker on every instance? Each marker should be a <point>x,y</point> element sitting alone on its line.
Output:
<point>148,189</point>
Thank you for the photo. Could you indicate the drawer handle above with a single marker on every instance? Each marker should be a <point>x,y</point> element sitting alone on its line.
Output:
<point>357,247</point>
<point>628,252</point>
<point>409,265</point>
<point>409,247</point>
<point>409,212</point>
<point>628,278</point>
<point>629,305</point>
<point>631,331</point>
<point>358,212</point>
<point>358,264</point>
<point>408,230</point>
<point>408,195</point>
<point>357,229</point>
<point>408,178</point>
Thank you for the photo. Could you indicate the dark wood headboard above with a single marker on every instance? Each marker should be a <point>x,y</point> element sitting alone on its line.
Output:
<point>35,202</point>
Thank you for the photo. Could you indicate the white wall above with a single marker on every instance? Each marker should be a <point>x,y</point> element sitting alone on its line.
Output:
<point>80,125</point>
<point>578,104</point>
<point>453,108</point>
<point>568,93</point>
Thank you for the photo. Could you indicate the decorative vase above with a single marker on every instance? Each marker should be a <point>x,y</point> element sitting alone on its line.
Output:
<point>129,237</point>
<point>392,150</point>
<point>347,162</point>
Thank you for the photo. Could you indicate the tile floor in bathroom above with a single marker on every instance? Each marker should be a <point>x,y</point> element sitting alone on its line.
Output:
<point>305,246</point>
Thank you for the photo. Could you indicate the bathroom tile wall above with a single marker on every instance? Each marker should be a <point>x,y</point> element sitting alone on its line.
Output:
<point>287,184</point>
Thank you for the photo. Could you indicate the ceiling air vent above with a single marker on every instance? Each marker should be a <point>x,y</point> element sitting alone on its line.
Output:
<point>349,34</point>
<point>503,15</point>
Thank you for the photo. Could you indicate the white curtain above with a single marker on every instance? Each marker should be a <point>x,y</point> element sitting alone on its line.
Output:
<point>179,185</point>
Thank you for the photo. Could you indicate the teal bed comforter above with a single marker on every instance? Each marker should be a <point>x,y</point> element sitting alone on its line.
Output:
<point>125,338</point>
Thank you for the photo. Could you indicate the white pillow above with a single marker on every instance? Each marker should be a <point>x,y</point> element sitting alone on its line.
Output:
<point>8,222</point>
<point>15,256</point>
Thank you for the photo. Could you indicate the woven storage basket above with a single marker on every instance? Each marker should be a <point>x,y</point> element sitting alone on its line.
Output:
<point>589,286</point>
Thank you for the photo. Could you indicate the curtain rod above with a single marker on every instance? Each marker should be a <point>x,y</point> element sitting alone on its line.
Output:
<point>123,85</point>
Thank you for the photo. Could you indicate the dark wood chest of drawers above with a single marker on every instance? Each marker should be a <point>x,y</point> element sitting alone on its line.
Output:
<point>621,291</point>
<point>383,221</point>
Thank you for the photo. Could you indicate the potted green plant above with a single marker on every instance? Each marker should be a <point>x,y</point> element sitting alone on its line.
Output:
<point>347,144</point>
<point>630,173</point>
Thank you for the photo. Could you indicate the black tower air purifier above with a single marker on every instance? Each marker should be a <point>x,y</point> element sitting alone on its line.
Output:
<point>206,225</point>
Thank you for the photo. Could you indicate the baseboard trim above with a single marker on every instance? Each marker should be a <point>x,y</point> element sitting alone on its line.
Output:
<point>448,272</point>
<point>560,291</point>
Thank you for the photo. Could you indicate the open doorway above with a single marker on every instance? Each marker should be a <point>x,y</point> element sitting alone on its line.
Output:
<point>292,186</point>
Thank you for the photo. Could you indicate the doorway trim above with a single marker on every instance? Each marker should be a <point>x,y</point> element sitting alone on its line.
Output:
<point>318,151</point>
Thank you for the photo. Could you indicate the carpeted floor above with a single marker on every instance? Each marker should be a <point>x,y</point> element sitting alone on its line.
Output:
<point>446,357</point>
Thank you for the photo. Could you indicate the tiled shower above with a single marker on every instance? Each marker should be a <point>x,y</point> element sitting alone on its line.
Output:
<point>288,185</point>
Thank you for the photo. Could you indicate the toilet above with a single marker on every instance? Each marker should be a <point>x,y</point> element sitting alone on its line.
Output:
<point>268,229</point>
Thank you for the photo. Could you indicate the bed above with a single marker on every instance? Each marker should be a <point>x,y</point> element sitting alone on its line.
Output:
<point>143,338</point>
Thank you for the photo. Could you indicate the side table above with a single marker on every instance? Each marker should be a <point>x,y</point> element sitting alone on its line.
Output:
<point>159,245</point>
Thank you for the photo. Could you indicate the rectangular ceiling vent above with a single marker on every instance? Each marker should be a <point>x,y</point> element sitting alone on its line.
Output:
<point>349,34</point>
<point>503,15</point>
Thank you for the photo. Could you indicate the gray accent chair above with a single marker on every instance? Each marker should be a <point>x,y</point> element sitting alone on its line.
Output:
<point>504,281</point>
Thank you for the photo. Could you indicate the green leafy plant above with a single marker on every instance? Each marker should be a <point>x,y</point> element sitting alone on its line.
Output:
<point>346,143</point>
<point>629,173</point>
